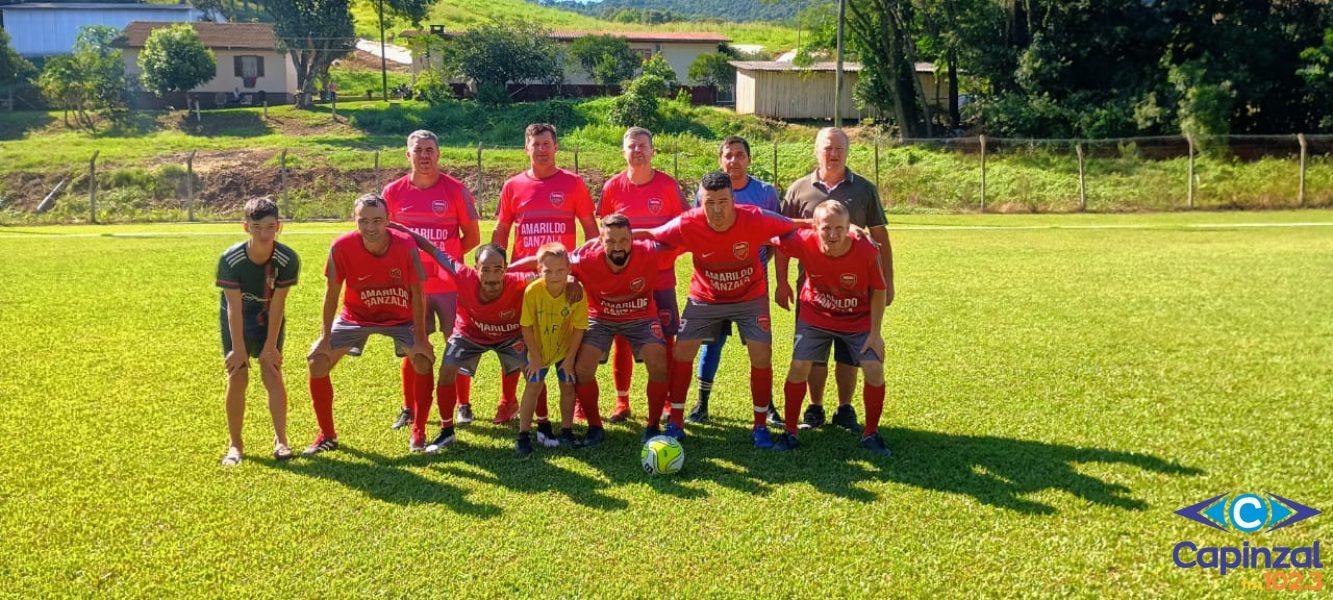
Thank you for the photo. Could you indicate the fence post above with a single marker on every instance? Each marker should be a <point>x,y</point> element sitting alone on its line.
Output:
<point>576,158</point>
<point>189,187</point>
<point>982,140</point>
<point>675,160</point>
<point>877,164</point>
<point>92,187</point>
<point>1300,195</point>
<point>266,110</point>
<point>481,181</point>
<point>377,170</point>
<point>1190,192</point>
<point>1082,183</point>
<point>333,104</point>
<point>282,170</point>
<point>197,117</point>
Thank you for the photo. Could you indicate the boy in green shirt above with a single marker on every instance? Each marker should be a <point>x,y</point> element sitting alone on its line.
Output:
<point>255,276</point>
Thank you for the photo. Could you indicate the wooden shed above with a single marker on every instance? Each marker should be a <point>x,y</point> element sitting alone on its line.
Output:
<point>781,90</point>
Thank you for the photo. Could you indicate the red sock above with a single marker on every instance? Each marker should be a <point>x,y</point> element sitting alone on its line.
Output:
<point>321,397</point>
<point>463,384</point>
<point>874,406</point>
<point>761,392</point>
<point>622,370</point>
<point>587,396</point>
<point>447,395</point>
<point>657,399</point>
<point>509,388</point>
<point>421,387</point>
<point>681,373</point>
<point>409,398</point>
<point>794,395</point>
<point>542,411</point>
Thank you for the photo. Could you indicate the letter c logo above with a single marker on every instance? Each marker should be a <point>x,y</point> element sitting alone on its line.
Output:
<point>1248,513</point>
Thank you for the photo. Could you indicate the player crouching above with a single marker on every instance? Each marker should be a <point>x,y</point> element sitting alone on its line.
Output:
<point>553,329</point>
<point>841,302</point>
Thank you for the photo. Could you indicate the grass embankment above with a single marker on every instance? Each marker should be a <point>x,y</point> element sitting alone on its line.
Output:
<point>143,158</point>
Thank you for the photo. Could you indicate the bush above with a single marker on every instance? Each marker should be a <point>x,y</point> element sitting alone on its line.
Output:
<point>432,88</point>
<point>630,110</point>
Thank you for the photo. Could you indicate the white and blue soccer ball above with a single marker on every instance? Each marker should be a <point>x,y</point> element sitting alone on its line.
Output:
<point>662,455</point>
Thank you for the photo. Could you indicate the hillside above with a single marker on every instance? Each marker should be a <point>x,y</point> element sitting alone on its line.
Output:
<point>740,11</point>
<point>463,14</point>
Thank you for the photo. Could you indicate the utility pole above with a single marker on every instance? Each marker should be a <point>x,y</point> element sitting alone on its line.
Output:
<point>384,65</point>
<point>837,77</point>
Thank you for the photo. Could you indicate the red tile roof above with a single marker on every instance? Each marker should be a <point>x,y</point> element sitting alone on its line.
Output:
<point>217,36</point>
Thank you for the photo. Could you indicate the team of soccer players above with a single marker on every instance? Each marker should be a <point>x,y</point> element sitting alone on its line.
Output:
<point>567,308</point>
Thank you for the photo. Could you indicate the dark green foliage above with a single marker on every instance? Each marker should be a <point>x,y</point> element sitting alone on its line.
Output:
<point>662,11</point>
<point>607,59</point>
<point>13,68</point>
<point>503,52</point>
<point>174,60</point>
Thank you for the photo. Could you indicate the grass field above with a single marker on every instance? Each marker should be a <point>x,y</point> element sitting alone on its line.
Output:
<point>1059,385</point>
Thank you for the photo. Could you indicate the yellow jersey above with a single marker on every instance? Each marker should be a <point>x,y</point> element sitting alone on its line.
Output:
<point>553,319</point>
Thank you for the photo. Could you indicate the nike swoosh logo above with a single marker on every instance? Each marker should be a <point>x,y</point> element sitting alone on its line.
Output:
<point>363,278</point>
<point>707,254</point>
<point>814,275</point>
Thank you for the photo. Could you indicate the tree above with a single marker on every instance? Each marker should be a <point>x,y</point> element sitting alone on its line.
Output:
<point>315,33</point>
<point>712,69</point>
<point>13,68</point>
<point>1317,71</point>
<point>607,59</point>
<point>881,32</point>
<point>174,60</point>
<point>656,65</point>
<point>90,79</point>
<point>502,52</point>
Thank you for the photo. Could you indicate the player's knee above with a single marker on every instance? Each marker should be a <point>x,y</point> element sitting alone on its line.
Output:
<point>761,355</point>
<point>422,365</point>
<point>239,379</point>
<point>799,371</point>
<point>319,365</point>
<point>874,371</point>
<point>448,373</point>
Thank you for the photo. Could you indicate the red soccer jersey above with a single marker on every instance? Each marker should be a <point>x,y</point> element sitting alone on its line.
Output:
<point>726,263</point>
<point>647,206</point>
<point>543,210</point>
<point>836,292</point>
<point>494,322</point>
<point>376,289</point>
<point>623,296</point>
<point>437,213</point>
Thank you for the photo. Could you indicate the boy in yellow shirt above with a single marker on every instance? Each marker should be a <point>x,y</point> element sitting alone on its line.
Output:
<point>552,330</point>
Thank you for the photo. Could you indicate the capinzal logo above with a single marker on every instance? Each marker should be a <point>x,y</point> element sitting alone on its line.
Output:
<point>1247,513</point>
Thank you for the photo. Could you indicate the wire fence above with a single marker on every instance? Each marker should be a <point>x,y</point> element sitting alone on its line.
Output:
<point>948,174</point>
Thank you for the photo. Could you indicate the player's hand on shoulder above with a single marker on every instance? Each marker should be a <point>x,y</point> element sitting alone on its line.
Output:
<point>397,226</point>
<point>573,290</point>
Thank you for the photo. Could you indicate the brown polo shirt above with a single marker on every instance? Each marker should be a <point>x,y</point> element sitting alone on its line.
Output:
<point>857,193</point>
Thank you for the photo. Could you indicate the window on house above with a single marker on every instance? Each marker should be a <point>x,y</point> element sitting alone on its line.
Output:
<point>249,68</point>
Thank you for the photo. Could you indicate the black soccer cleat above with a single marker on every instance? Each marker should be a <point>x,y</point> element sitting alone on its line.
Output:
<point>786,443</point>
<point>523,448</point>
<point>875,444</point>
<point>464,414</point>
<point>845,417</point>
<point>594,437</point>
<point>775,417</point>
<point>698,414</point>
<point>814,417</point>
<point>404,419</point>
<point>445,438</point>
<point>651,431</point>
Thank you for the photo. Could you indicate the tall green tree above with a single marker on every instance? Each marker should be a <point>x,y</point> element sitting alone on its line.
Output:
<point>607,59</point>
<point>14,68</point>
<point>174,60</point>
<point>315,33</point>
<point>712,69</point>
<point>882,33</point>
<point>502,52</point>
<point>90,79</point>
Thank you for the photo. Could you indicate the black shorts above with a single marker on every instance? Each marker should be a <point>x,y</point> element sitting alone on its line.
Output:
<point>255,334</point>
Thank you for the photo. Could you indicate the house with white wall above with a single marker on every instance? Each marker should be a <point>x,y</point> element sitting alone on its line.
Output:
<point>251,67</point>
<point>48,28</point>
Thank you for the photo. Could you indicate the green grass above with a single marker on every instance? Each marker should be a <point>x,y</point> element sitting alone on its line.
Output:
<point>460,15</point>
<point>1056,391</point>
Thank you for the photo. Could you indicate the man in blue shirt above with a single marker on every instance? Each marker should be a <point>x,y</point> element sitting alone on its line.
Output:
<point>734,159</point>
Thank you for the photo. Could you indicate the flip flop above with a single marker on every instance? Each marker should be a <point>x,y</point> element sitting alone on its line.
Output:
<point>231,459</point>
<point>282,453</point>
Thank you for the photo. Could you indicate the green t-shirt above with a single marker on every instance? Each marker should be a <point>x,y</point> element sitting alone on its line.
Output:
<point>255,281</point>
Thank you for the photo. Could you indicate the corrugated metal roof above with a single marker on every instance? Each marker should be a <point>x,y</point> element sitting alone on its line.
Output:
<point>95,6</point>
<point>248,36</point>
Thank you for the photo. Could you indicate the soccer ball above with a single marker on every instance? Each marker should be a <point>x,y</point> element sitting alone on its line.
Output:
<point>662,455</point>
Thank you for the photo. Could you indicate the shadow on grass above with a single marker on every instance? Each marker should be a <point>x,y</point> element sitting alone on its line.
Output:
<point>16,125</point>
<point>995,471</point>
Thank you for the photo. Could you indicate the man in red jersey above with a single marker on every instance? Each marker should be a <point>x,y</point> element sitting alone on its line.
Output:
<point>439,207</point>
<point>728,285</point>
<point>841,302</point>
<point>490,304</point>
<point>543,203</point>
<point>649,198</point>
<point>381,274</point>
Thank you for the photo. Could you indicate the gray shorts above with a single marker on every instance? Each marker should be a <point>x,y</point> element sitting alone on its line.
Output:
<point>465,354</point>
<point>668,311</point>
<point>702,321</point>
<point>441,309</point>
<point>348,335</point>
<point>812,344</point>
<point>842,353</point>
<point>640,333</point>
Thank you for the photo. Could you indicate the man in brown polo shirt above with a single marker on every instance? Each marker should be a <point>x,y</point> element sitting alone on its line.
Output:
<point>833,180</point>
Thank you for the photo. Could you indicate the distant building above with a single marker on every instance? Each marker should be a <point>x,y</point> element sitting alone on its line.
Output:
<point>678,48</point>
<point>782,90</point>
<point>250,66</point>
<point>48,28</point>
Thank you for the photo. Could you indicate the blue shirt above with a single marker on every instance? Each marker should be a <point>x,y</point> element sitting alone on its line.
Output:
<point>755,193</point>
